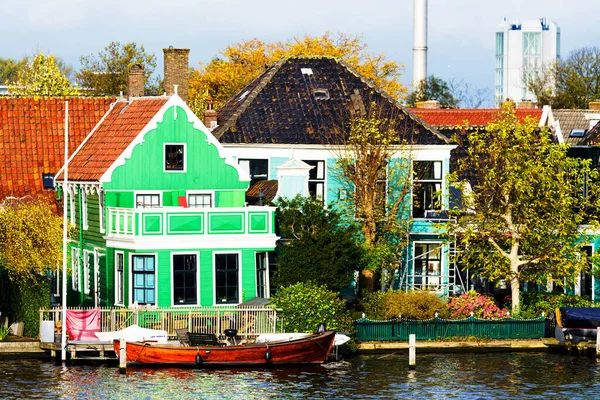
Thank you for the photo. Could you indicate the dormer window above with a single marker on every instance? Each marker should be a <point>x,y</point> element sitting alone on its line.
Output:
<point>174,157</point>
<point>321,94</point>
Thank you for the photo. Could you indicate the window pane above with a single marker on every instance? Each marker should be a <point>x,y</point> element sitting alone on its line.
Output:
<point>174,157</point>
<point>226,278</point>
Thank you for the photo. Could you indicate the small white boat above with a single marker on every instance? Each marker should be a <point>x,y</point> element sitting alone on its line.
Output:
<point>134,333</point>
<point>339,340</point>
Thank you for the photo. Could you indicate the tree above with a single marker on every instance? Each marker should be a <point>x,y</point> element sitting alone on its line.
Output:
<point>526,205</point>
<point>469,96</point>
<point>569,83</point>
<point>373,158</point>
<point>42,77</point>
<point>30,239</point>
<point>433,88</point>
<point>105,74</point>
<point>317,246</point>
<point>10,68</point>
<point>224,76</point>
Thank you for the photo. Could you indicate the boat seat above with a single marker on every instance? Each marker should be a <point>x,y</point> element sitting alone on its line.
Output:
<point>182,336</point>
<point>203,339</point>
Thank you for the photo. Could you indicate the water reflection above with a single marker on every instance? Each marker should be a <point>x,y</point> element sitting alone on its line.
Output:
<point>500,375</point>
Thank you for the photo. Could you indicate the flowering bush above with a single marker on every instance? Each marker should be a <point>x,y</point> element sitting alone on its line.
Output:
<point>481,306</point>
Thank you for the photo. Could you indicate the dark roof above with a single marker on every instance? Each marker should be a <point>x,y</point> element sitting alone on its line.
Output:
<point>593,136</point>
<point>574,119</point>
<point>32,132</point>
<point>302,100</point>
<point>110,138</point>
<point>269,189</point>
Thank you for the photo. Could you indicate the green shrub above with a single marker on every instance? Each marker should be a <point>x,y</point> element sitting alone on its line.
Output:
<point>306,305</point>
<point>22,300</point>
<point>478,305</point>
<point>3,332</point>
<point>416,304</point>
<point>533,304</point>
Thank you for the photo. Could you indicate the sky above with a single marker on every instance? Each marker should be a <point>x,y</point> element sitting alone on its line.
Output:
<point>460,32</point>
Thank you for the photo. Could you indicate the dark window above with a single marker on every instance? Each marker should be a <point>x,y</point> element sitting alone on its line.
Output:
<point>226,278</point>
<point>144,288</point>
<point>185,275</point>
<point>174,157</point>
<point>321,94</point>
<point>120,278</point>
<point>316,178</point>
<point>427,186</point>
<point>261,275</point>
<point>257,169</point>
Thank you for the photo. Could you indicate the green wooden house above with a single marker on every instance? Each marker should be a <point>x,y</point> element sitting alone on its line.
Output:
<point>160,213</point>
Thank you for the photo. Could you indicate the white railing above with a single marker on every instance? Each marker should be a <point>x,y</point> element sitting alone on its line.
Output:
<point>128,221</point>
<point>249,321</point>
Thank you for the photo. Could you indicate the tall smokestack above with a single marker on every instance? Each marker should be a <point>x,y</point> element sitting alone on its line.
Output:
<point>419,41</point>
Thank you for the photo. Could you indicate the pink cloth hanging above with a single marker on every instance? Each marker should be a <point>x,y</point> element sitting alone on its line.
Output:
<point>82,325</point>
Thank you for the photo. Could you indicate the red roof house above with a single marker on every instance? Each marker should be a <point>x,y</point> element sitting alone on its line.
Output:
<point>32,139</point>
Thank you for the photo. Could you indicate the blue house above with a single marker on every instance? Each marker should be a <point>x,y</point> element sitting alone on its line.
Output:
<point>291,111</point>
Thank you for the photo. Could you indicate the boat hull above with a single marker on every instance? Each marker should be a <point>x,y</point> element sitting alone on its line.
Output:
<point>310,350</point>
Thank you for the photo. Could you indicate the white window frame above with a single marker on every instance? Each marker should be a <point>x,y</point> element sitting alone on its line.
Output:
<point>165,157</point>
<point>75,269</point>
<point>322,196</point>
<point>267,284</point>
<point>132,283</point>
<point>84,210</point>
<point>101,211</point>
<point>197,254</point>
<point>119,282</point>
<point>203,193</point>
<point>71,193</point>
<point>86,271</point>
<point>425,278</point>
<point>148,193</point>
<point>214,274</point>
<point>417,180</point>
<point>245,164</point>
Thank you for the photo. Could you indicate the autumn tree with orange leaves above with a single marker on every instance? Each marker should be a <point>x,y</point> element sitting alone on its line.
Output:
<point>240,63</point>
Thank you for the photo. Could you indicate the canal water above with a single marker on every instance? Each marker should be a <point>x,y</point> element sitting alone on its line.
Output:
<point>438,376</point>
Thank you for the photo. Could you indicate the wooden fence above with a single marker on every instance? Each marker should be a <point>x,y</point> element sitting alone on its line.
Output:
<point>437,328</point>
<point>249,321</point>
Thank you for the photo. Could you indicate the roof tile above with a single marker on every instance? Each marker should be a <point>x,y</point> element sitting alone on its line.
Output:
<point>32,138</point>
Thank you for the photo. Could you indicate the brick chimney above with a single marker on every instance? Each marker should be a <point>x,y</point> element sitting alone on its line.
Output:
<point>428,104</point>
<point>527,104</point>
<point>135,80</point>
<point>176,71</point>
<point>210,115</point>
<point>594,105</point>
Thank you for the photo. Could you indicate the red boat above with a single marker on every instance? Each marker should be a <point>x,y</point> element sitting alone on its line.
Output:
<point>313,349</point>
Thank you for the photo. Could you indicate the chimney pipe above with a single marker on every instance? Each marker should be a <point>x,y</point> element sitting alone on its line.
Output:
<point>135,80</point>
<point>419,41</point>
<point>210,115</point>
<point>176,72</point>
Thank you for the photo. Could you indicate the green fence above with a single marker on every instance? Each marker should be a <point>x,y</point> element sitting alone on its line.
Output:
<point>437,328</point>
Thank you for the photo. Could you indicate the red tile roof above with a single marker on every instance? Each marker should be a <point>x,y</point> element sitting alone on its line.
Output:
<point>118,129</point>
<point>456,117</point>
<point>32,138</point>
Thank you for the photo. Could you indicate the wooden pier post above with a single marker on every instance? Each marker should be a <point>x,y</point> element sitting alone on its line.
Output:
<point>122,356</point>
<point>598,341</point>
<point>412,351</point>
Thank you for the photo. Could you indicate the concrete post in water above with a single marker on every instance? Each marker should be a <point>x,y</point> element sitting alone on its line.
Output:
<point>122,356</point>
<point>412,351</point>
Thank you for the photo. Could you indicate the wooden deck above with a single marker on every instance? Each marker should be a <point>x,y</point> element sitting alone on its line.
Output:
<point>82,350</point>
